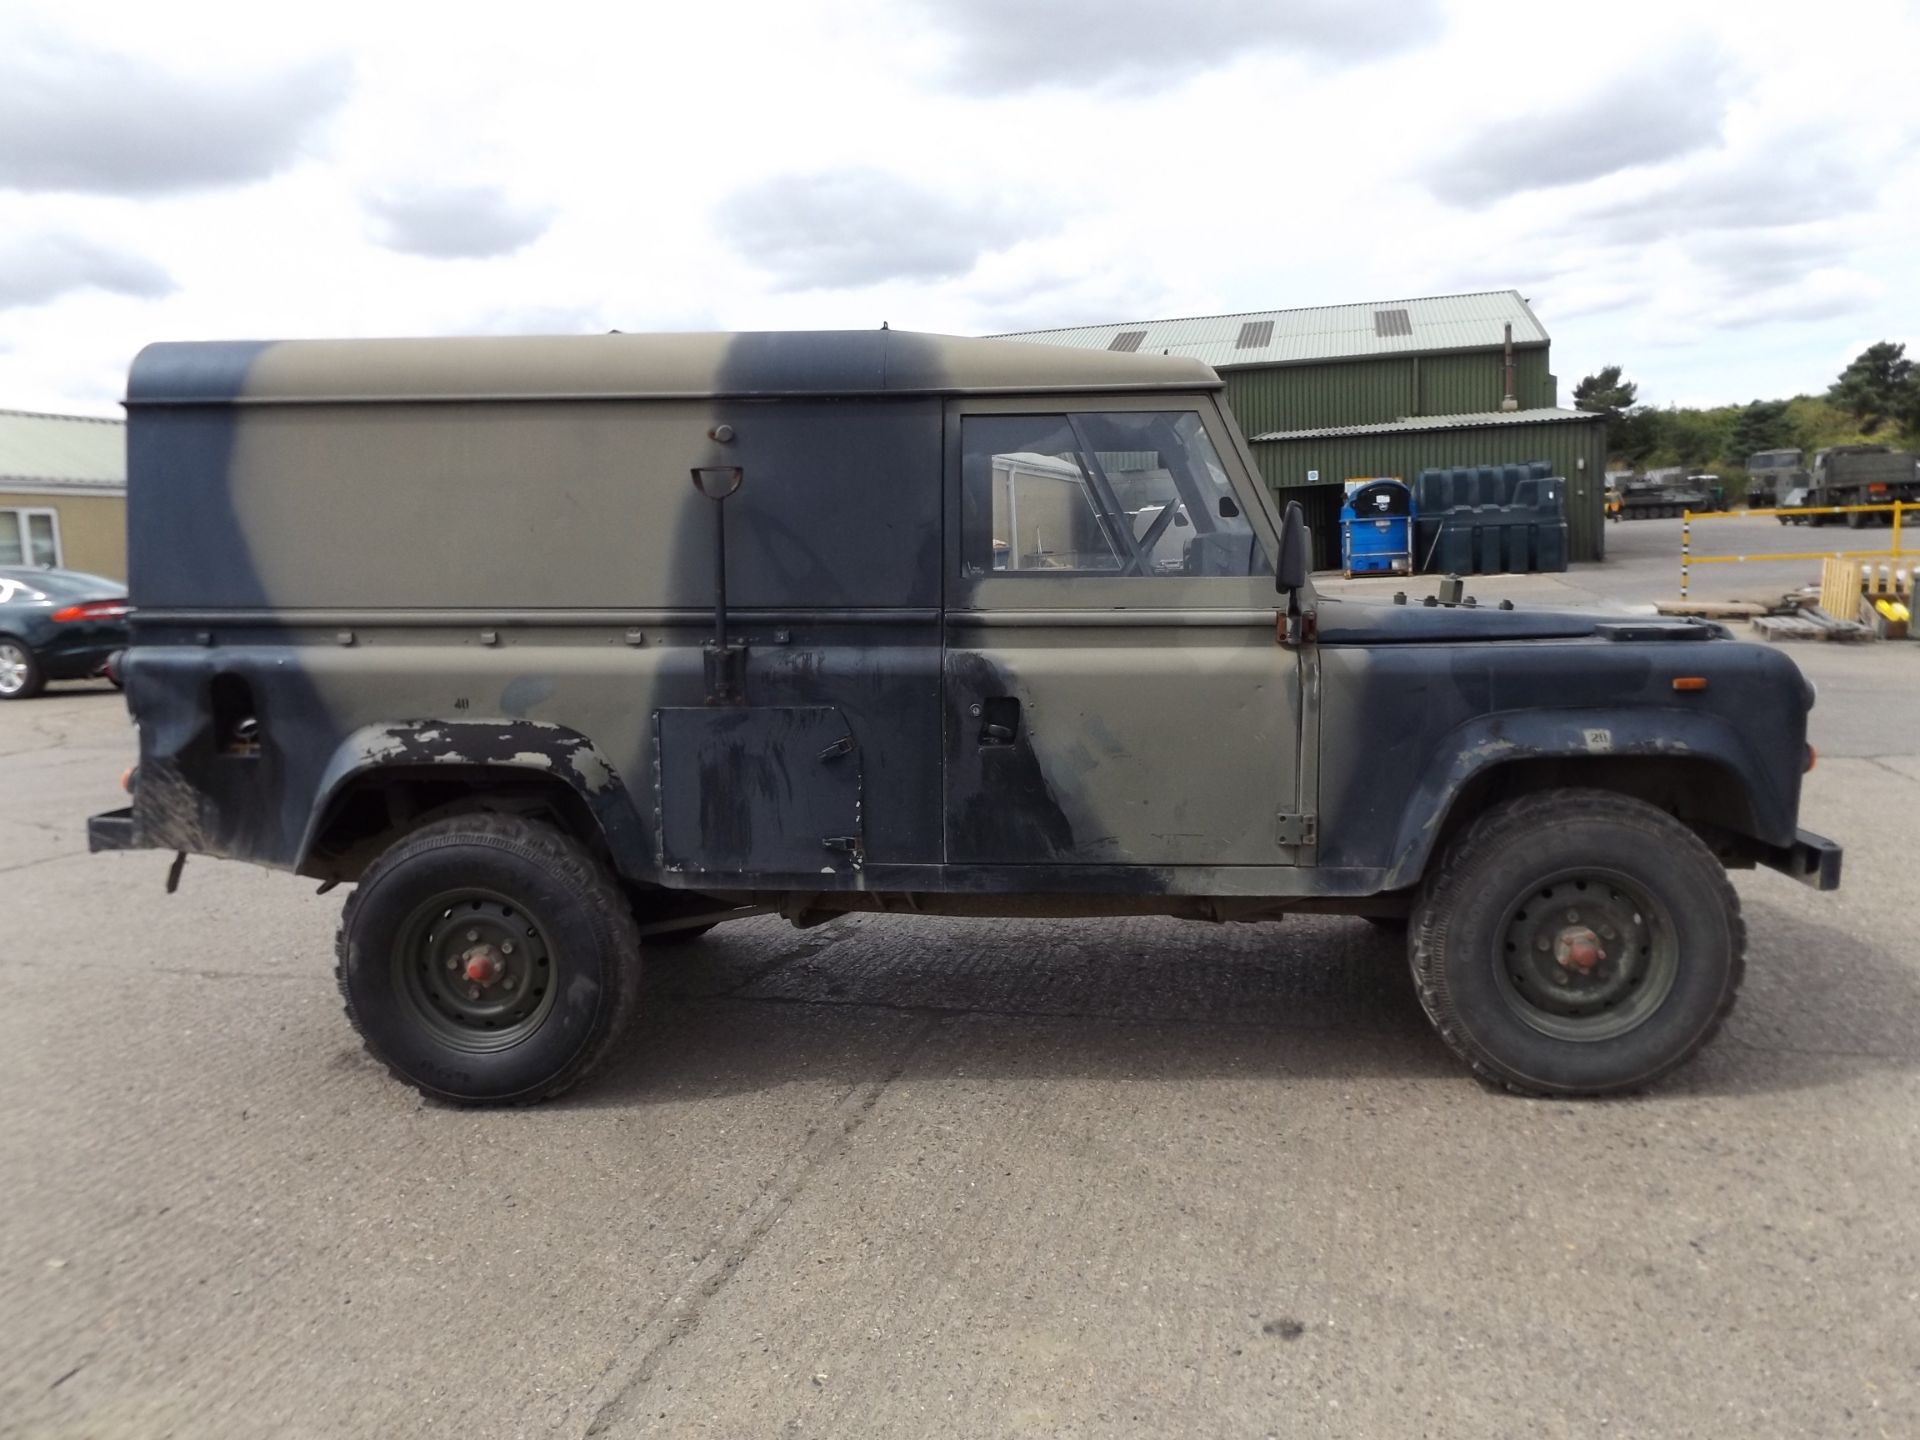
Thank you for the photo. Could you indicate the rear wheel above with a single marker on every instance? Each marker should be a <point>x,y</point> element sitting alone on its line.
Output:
<point>21,677</point>
<point>488,960</point>
<point>1577,942</point>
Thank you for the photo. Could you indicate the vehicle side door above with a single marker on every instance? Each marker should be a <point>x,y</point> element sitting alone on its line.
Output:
<point>1113,690</point>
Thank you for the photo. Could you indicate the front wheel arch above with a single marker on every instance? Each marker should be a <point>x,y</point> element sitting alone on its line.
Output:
<point>1705,794</point>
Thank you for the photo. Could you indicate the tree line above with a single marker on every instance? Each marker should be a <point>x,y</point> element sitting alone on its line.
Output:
<point>1875,400</point>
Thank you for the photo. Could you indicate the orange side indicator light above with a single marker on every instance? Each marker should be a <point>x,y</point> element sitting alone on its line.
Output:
<point>1690,682</point>
<point>1813,758</point>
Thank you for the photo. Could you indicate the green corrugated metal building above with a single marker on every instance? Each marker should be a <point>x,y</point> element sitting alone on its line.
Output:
<point>1572,442</point>
<point>1334,392</point>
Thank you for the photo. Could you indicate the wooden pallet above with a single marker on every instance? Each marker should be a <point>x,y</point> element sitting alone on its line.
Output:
<point>1711,609</point>
<point>1810,625</point>
<point>1843,582</point>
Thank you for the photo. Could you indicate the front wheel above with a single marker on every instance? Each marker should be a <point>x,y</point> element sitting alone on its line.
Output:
<point>1577,942</point>
<point>488,960</point>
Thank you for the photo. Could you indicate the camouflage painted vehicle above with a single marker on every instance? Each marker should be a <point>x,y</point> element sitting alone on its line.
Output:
<point>560,648</point>
<point>1664,494</point>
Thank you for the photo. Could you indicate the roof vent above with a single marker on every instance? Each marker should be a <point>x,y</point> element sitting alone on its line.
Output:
<point>1255,335</point>
<point>1392,322</point>
<point>1127,341</point>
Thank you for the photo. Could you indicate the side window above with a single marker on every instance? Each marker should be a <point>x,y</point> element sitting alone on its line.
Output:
<point>1125,493</point>
<point>29,537</point>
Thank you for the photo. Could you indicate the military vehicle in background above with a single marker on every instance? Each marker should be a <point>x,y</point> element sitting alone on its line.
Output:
<point>1774,474</point>
<point>1856,475</point>
<point>1662,494</point>
<point>558,648</point>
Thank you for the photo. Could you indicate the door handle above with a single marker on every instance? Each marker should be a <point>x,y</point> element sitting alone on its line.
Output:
<point>999,720</point>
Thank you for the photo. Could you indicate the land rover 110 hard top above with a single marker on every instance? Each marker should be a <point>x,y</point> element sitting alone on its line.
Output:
<point>554,648</point>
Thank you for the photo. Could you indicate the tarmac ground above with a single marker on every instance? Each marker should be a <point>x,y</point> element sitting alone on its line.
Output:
<point>973,1178</point>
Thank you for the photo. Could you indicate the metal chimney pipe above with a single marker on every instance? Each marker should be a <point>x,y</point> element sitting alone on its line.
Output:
<point>1507,402</point>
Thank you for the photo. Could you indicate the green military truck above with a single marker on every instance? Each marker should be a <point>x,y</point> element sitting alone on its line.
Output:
<point>1772,475</point>
<point>557,648</point>
<point>1856,475</point>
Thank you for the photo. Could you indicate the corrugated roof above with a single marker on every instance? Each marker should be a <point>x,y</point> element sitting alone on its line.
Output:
<point>1322,332</point>
<point>1437,422</point>
<point>62,451</point>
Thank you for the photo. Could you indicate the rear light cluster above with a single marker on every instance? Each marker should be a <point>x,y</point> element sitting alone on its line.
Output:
<point>92,610</point>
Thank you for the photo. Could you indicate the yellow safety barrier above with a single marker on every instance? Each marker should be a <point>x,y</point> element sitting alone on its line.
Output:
<point>1897,509</point>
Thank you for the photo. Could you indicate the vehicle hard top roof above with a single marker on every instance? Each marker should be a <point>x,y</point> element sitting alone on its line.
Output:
<point>617,366</point>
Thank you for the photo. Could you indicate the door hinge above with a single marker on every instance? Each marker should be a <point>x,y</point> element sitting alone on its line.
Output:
<point>1296,829</point>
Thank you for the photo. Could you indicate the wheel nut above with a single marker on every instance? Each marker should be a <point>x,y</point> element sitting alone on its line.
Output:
<point>473,935</point>
<point>473,992</point>
<point>508,982</point>
<point>506,947</point>
<point>453,962</point>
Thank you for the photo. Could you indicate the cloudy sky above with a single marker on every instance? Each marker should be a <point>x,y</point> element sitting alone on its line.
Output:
<point>1723,198</point>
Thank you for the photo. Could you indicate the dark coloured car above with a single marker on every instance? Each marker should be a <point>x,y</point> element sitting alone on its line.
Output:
<point>57,625</point>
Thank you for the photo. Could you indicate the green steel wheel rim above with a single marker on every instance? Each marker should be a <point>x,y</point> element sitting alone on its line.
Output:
<point>473,967</point>
<point>1587,955</point>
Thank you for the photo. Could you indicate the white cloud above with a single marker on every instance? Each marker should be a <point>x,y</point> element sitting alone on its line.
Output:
<point>77,117</point>
<point>456,222</point>
<point>36,269</point>
<point>1721,217</point>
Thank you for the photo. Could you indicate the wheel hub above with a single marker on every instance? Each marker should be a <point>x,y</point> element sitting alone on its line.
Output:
<point>477,969</point>
<point>1587,956</point>
<point>483,966</point>
<point>1578,948</point>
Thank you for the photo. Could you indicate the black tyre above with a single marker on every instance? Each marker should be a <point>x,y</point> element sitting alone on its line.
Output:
<point>1856,520</point>
<point>488,960</point>
<point>21,677</point>
<point>1577,942</point>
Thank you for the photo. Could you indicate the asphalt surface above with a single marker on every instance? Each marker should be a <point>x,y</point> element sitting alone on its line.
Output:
<point>950,1178</point>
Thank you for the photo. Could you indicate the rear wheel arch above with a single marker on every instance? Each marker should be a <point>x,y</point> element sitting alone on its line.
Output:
<point>384,781</point>
<point>373,808</point>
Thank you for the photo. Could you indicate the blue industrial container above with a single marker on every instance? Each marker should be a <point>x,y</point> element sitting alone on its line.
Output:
<point>1376,528</point>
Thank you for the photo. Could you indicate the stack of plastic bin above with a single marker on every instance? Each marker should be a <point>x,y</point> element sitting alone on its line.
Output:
<point>1485,519</point>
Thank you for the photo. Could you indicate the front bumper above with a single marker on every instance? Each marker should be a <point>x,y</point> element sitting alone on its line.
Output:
<point>1811,859</point>
<point>112,831</point>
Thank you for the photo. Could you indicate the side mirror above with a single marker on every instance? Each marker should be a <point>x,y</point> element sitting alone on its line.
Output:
<point>1296,561</point>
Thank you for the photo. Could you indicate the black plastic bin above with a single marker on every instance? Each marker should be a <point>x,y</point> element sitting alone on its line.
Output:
<point>1489,519</point>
